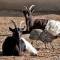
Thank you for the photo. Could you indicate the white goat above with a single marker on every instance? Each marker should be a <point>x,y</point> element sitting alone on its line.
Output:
<point>29,47</point>
<point>53,27</point>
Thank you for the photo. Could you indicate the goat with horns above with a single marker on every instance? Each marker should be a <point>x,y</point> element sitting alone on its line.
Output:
<point>15,44</point>
<point>33,23</point>
<point>50,25</point>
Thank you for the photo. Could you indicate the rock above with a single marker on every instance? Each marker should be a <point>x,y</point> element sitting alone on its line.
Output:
<point>35,33</point>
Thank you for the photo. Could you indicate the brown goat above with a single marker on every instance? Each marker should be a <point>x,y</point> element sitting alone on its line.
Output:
<point>33,24</point>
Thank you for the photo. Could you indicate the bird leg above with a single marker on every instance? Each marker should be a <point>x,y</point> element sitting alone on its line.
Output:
<point>52,46</point>
<point>45,45</point>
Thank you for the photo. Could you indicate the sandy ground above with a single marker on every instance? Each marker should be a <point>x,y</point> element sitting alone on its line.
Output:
<point>43,54</point>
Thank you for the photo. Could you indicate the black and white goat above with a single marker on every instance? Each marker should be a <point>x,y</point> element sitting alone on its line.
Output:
<point>11,45</point>
<point>33,23</point>
<point>15,44</point>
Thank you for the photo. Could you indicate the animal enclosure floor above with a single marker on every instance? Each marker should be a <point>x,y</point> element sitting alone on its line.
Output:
<point>43,54</point>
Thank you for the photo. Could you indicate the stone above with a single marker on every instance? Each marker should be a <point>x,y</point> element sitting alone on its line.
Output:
<point>35,33</point>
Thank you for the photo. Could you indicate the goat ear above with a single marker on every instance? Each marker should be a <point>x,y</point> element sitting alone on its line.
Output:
<point>10,29</point>
<point>31,8</point>
<point>23,28</point>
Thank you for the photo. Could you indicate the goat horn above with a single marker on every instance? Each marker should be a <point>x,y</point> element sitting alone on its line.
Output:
<point>21,23</point>
<point>31,7</point>
<point>14,23</point>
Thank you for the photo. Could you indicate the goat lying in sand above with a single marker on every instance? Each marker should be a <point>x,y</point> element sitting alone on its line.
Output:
<point>15,44</point>
<point>11,45</point>
<point>50,25</point>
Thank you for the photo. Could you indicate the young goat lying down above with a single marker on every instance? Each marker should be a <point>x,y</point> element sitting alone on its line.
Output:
<point>15,44</point>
